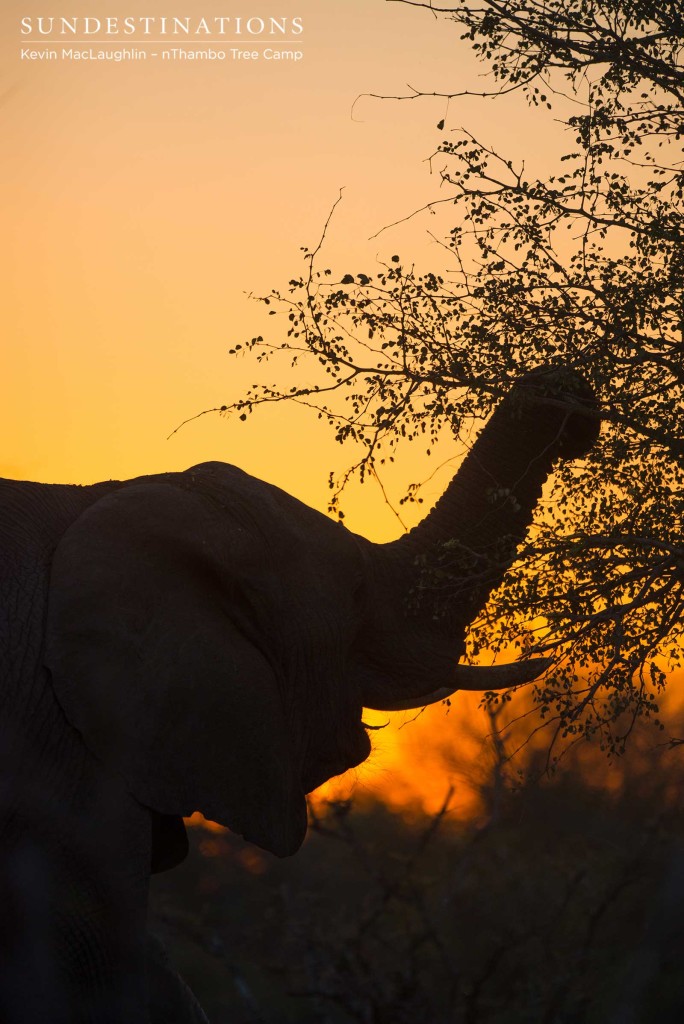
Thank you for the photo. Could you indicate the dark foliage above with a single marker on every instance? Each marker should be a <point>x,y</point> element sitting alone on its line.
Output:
<point>564,907</point>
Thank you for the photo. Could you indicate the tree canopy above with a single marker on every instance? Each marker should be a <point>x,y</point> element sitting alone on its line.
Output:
<point>581,267</point>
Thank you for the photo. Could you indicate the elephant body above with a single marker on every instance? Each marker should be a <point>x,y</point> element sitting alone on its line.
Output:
<point>66,939</point>
<point>204,641</point>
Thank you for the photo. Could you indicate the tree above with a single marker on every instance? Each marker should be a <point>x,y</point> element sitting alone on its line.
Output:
<point>584,268</point>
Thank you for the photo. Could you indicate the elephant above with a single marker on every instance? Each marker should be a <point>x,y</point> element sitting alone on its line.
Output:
<point>202,640</point>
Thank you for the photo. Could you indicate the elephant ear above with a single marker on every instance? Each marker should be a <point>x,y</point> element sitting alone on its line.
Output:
<point>148,644</point>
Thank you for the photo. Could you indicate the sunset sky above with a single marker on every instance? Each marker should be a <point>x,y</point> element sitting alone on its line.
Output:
<point>143,201</point>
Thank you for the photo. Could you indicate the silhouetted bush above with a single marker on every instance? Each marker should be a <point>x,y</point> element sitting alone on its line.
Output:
<point>564,906</point>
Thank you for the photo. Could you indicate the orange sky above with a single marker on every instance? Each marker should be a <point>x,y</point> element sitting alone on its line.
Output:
<point>142,201</point>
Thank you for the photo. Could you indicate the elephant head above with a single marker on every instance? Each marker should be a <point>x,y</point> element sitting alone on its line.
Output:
<point>214,640</point>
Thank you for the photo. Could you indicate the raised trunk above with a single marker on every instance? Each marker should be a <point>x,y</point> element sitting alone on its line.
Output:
<point>436,578</point>
<point>474,530</point>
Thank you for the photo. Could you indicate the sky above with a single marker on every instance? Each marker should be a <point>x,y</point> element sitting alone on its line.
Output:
<point>143,202</point>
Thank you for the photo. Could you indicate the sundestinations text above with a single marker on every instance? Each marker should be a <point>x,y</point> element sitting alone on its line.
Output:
<point>162,26</point>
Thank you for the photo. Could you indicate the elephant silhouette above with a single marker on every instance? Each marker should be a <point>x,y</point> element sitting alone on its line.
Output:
<point>204,641</point>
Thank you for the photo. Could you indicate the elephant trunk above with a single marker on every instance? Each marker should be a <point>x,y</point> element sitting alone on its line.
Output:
<point>445,568</point>
<point>486,510</point>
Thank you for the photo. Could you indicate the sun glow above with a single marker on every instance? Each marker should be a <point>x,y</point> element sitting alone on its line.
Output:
<point>422,759</point>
